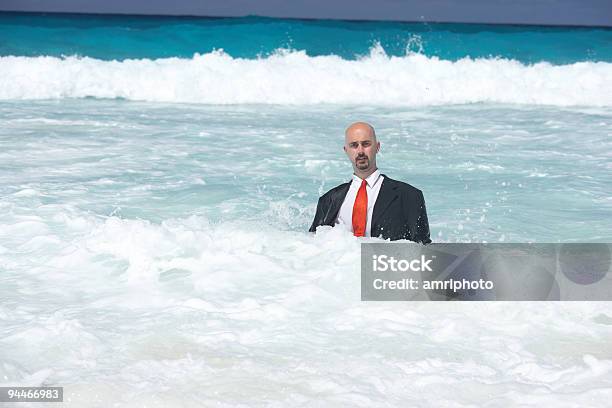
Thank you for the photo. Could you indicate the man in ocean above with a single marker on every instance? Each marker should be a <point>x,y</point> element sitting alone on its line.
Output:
<point>372,204</point>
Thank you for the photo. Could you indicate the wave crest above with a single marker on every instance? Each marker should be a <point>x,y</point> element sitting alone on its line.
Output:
<point>293,77</point>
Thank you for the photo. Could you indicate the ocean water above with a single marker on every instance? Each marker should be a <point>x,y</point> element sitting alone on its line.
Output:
<point>158,176</point>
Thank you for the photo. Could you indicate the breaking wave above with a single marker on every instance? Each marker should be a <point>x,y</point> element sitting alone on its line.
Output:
<point>292,77</point>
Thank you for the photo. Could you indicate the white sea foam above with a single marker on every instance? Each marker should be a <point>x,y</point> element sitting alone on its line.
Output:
<point>292,77</point>
<point>255,313</point>
<point>165,261</point>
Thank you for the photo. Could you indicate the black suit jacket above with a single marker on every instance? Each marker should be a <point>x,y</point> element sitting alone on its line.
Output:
<point>399,212</point>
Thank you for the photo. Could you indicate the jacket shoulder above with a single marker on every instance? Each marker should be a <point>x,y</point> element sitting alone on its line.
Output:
<point>405,188</point>
<point>335,190</point>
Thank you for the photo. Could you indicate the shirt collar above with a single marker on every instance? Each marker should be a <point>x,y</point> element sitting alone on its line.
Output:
<point>371,180</point>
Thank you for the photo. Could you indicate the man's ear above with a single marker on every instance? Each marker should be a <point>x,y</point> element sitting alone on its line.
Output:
<point>377,147</point>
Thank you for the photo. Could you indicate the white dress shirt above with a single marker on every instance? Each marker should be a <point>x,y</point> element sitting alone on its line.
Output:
<point>345,216</point>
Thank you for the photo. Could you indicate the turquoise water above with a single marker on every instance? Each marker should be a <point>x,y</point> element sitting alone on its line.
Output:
<point>155,197</point>
<point>489,173</point>
<point>122,37</point>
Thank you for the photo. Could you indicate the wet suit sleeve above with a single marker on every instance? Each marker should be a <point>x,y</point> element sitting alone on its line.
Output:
<point>319,215</point>
<point>422,233</point>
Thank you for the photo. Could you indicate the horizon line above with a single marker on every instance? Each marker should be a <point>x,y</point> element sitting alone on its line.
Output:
<point>301,19</point>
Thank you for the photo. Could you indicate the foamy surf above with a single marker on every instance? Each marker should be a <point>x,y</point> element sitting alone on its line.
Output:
<point>189,312</point>
<point>293,77</point>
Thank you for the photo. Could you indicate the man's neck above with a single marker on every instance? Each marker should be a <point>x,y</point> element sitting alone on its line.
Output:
<point>365,174</point>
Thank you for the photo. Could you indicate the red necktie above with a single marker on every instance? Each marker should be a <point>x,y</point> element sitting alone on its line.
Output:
<point>360,211</point>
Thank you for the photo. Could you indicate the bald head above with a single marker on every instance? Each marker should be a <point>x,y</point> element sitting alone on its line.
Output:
<point>360,128</point>
<point>361,146</point>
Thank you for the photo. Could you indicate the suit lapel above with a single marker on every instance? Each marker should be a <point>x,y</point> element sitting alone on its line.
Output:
<point>336,203</point>
<point>386,195</point>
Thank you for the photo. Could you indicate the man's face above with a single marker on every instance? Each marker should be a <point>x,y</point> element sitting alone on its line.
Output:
<point>361,147</point>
